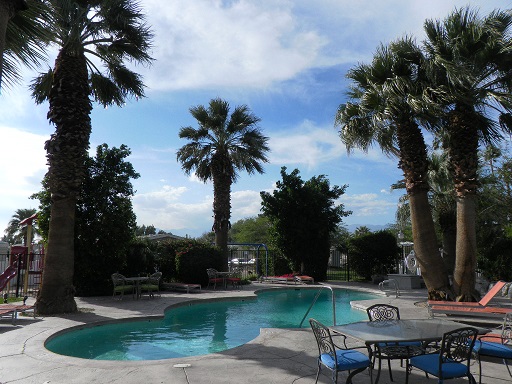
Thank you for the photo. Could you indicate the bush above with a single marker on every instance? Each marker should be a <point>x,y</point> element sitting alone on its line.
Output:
<point>373,253</point>
<point>187,260</point>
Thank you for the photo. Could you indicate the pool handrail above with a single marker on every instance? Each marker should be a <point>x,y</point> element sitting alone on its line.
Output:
<point>314,301</point>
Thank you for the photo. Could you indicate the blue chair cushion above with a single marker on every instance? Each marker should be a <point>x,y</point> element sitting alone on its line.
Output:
<point>345,360</point>
<point>487,348</point>
<point>430,364</point>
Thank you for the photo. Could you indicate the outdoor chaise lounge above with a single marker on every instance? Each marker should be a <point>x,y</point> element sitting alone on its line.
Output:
<point>12,310</point>
<point>183,286</point>
<point>481,308</point>
<point>288,278</point>
<point>496,288</point>
<point>303,279</point>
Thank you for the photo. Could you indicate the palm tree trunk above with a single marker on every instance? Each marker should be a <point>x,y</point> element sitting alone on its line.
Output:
<point>70,109</point>
<point>57,290</point>
<point>425,246</point>
<point>463,150</point>
<point>222,213</point>
<point>465,264</point>
<point>414,164</point>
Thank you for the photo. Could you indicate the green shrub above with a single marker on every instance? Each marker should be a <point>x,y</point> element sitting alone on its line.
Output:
<point>373,253</point>
<point>187,260</point>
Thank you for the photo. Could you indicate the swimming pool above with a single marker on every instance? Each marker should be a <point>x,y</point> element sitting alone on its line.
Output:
<point>205,327</point>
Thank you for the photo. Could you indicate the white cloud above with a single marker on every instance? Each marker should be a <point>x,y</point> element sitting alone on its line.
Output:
<point>244,204</point>
<point>23,165</point>
<point>366,205</point>
<point>209,44</point>
<point>313,146</point>
<point>165,210</point>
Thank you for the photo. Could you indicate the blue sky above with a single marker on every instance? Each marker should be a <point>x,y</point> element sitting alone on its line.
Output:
<point>286,60</point>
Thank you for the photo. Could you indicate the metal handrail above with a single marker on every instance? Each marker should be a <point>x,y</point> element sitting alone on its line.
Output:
<point>314,301</point>
<point>390,282</point>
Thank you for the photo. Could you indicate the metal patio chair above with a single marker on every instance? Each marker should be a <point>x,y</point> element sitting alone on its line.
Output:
<point>335,357</point>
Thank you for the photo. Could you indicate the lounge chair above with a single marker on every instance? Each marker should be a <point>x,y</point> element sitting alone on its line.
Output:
<point>482,303</point>
<point>480,309</point>
<point>12,310</point>
<point>287,278</point>
<point>183,286</point>
<point>303,279</point>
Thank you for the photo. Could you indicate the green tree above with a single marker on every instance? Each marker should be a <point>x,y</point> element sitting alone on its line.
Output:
<point>494,235</point>
<point>14,233</point>
<point>23,36</point>
<point>303,215</point>
<point>144,231</point>
<point>110,32</point>
<point>105,222</point>
<point>373,253</point>
<point>470,83</point>
<point>253,230</point>
<point>380,111</point>
<point>222,146</point>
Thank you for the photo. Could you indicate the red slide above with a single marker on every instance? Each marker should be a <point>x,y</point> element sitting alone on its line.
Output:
<point>7,275</point>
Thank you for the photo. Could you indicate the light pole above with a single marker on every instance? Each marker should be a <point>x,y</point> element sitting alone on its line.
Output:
<point>401,243</point>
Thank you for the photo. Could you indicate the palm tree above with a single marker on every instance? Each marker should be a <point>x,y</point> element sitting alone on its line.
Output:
<point>14,233</point>
<point>87,33</point>
<point>380,112</point>
<point>23,36</point>
<point>471,59</point>
<point>218,149</point>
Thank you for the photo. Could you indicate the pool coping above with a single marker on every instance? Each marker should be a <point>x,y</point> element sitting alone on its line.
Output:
<point>276,355</point>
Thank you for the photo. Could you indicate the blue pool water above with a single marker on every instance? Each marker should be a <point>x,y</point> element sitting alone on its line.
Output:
<point>205,327</point>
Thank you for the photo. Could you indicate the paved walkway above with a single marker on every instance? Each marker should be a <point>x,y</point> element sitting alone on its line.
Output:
<point>276,356</point>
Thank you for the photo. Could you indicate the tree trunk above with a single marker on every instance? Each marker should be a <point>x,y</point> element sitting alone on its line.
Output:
<point>414,164</point>
<point>463,150</point>
<point>222,211</point>
<point>426,248</point>
<point>465,266</point>
<point>70,109</point>
<point>57,290</point>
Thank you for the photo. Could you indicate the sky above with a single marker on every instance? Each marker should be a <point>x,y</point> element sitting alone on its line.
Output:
<point>286,60</point>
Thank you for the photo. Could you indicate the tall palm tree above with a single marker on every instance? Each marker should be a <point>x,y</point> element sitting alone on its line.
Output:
<point>471,60</point>
<point>380,112</point>
<point>14,233</point>
<point>87,33</point>
<point>218,149</point>
<point>23,36</point>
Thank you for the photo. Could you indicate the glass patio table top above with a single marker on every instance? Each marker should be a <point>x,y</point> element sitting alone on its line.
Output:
<point>394,331</point>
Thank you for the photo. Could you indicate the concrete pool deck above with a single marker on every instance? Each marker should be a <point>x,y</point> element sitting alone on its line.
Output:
<point>276,356</point>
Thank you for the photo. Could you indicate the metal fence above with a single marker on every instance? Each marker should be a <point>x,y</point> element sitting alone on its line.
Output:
<point>258,260</point>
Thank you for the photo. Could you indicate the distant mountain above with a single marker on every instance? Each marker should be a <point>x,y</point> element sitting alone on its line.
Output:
<point>372,227</point>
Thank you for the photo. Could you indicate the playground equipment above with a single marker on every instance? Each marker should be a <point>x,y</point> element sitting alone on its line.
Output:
<point>21,262</point>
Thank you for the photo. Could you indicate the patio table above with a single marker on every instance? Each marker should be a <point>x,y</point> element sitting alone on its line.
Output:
<point>224,276</point>
<point>137,280</point>
<point>399,331</point>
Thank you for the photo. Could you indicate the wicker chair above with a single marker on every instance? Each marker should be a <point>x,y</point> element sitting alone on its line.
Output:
<point>213,278</point>
<point>121,286</point>
<point>151,285</point>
